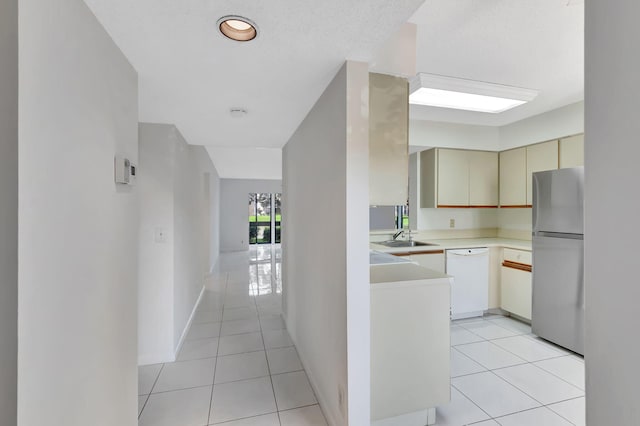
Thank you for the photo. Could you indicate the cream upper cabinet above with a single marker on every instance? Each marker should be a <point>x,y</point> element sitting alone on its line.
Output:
<point>540,157</point>
<point>513,177</point>
<point>483,178</point>
<point>458,178</point>
<point>453,177</point>
<point>388,140</point>
<point>572,151</point>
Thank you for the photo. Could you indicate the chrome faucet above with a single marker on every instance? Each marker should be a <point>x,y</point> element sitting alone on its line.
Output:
<point>397,234</point>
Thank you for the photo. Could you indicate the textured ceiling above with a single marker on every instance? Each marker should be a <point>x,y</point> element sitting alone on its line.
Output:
<point>536,44</point>
<point>190,75</point>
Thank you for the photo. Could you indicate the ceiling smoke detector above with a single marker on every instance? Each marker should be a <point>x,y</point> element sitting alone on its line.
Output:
<point>237,28</point>
<point>238,112</point>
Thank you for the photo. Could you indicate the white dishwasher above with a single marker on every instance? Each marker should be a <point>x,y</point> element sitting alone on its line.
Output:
<point>470,288</point>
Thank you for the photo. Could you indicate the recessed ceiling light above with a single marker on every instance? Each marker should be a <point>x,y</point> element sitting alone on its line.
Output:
<point>237,28</point>
<point>449,92</point>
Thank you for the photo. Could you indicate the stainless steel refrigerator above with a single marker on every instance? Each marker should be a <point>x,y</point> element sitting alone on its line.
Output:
<point>558,257</point>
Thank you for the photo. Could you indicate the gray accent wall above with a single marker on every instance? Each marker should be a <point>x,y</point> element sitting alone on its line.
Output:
<point>8,210</point>
<point>612,150</point>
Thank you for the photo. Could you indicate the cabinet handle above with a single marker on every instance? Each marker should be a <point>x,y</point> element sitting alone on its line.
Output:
<point>516,265</point>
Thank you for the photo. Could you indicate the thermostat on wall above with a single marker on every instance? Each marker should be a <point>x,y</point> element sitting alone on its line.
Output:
<point>125,171</point>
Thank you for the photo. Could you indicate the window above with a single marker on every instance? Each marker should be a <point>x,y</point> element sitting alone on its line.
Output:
<point>264,218</point>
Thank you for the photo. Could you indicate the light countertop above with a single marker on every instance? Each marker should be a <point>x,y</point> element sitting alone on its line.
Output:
<point>457,243</point>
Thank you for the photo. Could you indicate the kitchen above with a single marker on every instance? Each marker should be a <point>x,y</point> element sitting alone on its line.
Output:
<point>471,191</point>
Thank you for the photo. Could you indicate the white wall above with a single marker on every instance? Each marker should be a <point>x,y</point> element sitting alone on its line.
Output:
<point>241,162</point>
<point>190,211</point>
<point>451,135</point>
<point>156,267</point>
<point>432,219</point>
<point>397,55</point>
<point>8,210</point>
<point>611,212</point>
<point>325,256</point>
<point>179,194</point>
<point>565,121</point>
<point>215,191</point>
<point>78,230</point>
<point>515,219</point>
<point>234,210</point>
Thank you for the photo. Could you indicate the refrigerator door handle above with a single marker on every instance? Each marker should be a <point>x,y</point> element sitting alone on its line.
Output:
<point>535,207</point>
<point>561,235</point>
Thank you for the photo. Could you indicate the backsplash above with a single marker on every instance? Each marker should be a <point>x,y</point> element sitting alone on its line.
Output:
<point>469,223</point>
<point>439,219</point>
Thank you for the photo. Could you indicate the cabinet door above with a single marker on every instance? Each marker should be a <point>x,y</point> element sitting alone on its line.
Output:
<point>572,151</point>
<point>516,292</point>
<point>540,157</point>
<point>513,177</point>
<point>483,178</point>
<point>428,171</point>
<point>434,260</point>
<point>453,178</point>
<point>388,140</point>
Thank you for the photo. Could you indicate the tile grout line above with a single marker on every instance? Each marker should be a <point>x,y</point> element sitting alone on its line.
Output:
<point>509,383</point>
<point>215,368</point>
<point>529,409</point>
<point>273,388</point>
<point>472,401</point>
<point>151,391</point>
<point>571,399</point>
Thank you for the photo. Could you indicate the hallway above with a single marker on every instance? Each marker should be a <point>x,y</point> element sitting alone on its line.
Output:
<point>238,365</point>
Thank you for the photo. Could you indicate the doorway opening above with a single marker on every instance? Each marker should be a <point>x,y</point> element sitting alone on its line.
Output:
<point>265,216</point>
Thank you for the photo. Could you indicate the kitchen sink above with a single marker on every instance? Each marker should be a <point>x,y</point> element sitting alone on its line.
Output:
<point>404,243</point>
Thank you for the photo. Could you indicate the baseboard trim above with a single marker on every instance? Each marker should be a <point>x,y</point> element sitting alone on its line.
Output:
<point>329,416</point>
<point>187,327</point>
<point>156,359</point>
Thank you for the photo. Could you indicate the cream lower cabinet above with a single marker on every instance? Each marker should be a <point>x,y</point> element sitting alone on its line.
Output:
<point>427,259</point>
<point>515,283</point>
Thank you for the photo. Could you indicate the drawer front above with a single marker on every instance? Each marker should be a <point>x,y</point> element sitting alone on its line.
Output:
<point>516,292</point>
<point>518,256</point>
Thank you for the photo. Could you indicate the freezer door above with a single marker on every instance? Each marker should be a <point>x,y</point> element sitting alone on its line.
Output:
<point>558,291</point>
<point>558,201</point>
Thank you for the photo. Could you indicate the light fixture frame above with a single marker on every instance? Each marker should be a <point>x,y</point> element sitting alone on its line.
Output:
<point>223,19</point>
<point>474,87</point>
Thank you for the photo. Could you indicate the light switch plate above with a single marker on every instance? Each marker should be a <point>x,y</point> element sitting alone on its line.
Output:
<point>160,235</point>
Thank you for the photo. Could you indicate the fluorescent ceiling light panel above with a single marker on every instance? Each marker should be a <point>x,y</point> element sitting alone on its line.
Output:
<point>448,92</point>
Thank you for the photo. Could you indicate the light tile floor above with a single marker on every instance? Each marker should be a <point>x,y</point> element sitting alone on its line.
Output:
<point>503,375</point>
<point>238,365</point>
